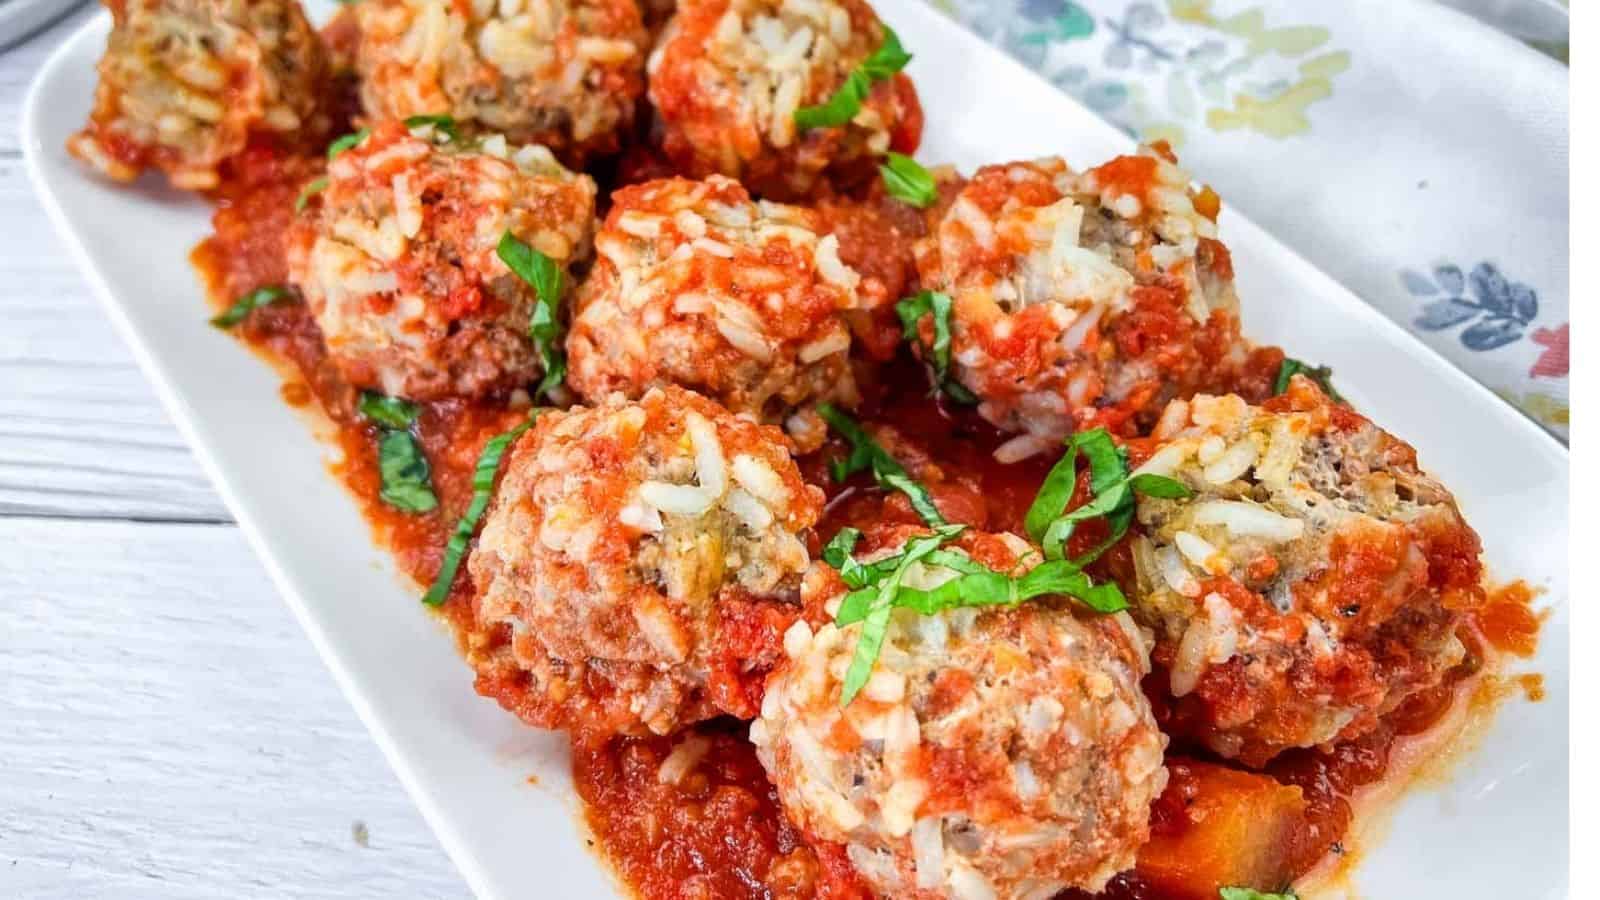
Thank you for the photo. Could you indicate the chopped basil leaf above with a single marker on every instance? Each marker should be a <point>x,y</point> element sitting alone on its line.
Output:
<point>840,108</point>
<point>1160,486</point>
<point>482,487</point>
<point>1108,466</point>
<point>242,307</point>
<point>544,276</point>
<point>446,124</point>
<point>390,412</point>
<point>314,186</point>
<point>405,473</point>
<point>889,58</point>
<point>937,355</point>
<point>853,608</point>
<point>1322,375</point>
<point>908,181</point>
<point>837,554</point>
<point>879,590</point>
<point>1108,461</point>
<point>1064,577</point>
<point>1111,488</point>
<point>866,454</point>
<point>1054,494</point>
<point>345,143</point>
<point>958,561</point>
<point>876,623</point>
<point>985,587</point>
<point>1244,893</point>
<point>1115,504</point>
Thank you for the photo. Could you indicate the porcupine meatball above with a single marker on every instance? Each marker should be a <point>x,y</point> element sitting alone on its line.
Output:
<point>563,73</point>
<point>1000,752</point>
<point>696,285</point>
<point>185,85</point>
<point>1082,299</point>
<point>397,258</point>
<point>626,545</point>
<point>1314,581</point>
<point>727,76</point>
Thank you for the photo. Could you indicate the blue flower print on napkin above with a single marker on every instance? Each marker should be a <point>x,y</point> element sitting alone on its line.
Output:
<point>1499,309</point>
<point>1134,39</point>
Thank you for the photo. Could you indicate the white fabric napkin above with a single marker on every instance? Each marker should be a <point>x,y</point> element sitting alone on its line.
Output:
<point>1413,152</point>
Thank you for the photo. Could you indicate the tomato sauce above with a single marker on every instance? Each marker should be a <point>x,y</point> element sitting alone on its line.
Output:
<point>718,831</point>
<point>1507,619</point>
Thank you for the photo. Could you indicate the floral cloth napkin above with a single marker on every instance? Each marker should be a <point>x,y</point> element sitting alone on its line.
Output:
<point>1413,152</point>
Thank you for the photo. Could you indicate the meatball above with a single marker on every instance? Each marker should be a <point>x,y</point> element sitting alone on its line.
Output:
<point>877,234</point>
<point>994,752</point>
<point>630,549</point>
<point>727,76</point>
<point>397,258</point>
<point>1082,299</point>
<point>696,285</point>
<point>563,73</point>
<point>185,85</point>
<point>1312,583</point>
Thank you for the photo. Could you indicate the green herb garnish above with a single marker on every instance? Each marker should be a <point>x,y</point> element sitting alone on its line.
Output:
<point>875,618</point>
<point>888,59</point>
<point>444,123</point>
<point>482,487</point>
<point>1244,893</point>
<point>315,186</point>
<point>878,590</point>
<point>406,484</point>
<point>542,273</point>
<point>242,307</point>
<point>937,354</point>
<point>345,143</point>
<point>1322,375</point>
<point>405,472</point>
<point>866,455</point>
<point>1111,487</point>
<point>390,412</point>
<point>908,181</point>
<point>837,554</point>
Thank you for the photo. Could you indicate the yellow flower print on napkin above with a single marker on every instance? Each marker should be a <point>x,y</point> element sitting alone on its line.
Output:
<point>1282,112</point>
<point>1546,409</point>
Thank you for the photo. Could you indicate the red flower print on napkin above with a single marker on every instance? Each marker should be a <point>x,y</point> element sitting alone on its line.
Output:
<point>1552,363</point>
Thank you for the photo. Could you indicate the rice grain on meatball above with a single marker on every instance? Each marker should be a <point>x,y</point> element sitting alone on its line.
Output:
<point>1312,584</point>
<point>727,76</point>
<point>996,752</point>
<point>397,259</point>
<point>563,73</point>
<point>185,85</point>
<point>696,285</point>
<point>628,548</point>
<point>1082,299</point>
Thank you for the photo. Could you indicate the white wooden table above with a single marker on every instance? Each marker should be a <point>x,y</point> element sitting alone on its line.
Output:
<point>166,730</point>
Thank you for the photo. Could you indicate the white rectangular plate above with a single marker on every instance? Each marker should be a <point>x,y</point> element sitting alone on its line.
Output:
<point>1498,828</point>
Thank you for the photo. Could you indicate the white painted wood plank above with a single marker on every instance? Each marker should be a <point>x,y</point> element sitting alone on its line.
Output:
<point>81,431</point>
<point>17,65</point>
<point>167,731</point>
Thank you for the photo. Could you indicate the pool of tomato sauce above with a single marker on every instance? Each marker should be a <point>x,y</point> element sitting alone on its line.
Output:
<point>719,832</point>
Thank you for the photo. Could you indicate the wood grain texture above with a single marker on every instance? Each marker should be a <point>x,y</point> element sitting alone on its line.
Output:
<point>81,432</point>
<point>17,65</point>
<point>168,732</point>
